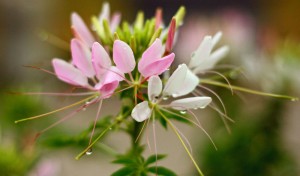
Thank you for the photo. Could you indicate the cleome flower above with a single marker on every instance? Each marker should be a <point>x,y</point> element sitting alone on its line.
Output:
<point>203,58</point>
<point>85,66</point>
<point>181,82</point>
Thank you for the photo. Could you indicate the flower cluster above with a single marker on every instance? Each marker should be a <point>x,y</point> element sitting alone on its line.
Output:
<point>104,64</point>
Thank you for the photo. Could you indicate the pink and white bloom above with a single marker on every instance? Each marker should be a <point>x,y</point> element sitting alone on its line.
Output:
<point>86,65</point>
<point>151,63</point>
<point>204,58</point>
<point>180,83</point>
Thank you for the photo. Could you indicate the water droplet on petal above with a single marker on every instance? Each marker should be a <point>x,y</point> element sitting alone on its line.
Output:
<point>83,109</point>
<point>89,151</point>
<point>183,112</point>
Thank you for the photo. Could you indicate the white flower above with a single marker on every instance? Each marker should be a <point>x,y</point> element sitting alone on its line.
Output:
<point>203,58</point>
<point>181,82</point>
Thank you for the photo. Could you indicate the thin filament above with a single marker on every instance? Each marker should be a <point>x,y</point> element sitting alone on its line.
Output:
<point>95,122</point>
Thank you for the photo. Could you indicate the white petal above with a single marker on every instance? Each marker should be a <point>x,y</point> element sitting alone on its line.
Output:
<point>175,81</point>
<point>220,53</point>
<point>216,38</point>
<point>141,111</point>
<point>154,87</point>
<point>190,103</point>
<point>202,53</point>
<point>189,84</point>
<point>215,57</point>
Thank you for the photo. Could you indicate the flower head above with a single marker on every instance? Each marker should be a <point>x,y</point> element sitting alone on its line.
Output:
<point>174,87</point>
<point>203,58</point>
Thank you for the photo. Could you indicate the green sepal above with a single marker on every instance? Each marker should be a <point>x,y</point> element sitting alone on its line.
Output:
<point>155,36</point>
<point>107,31</point>
<point>139,21</point>
<point>126,31</point>
<point>179,16</point>
<point>99,29</point>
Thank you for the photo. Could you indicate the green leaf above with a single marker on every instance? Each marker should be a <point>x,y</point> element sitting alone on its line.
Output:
<point>125,171</point>
<point>152,158</point>
<point>161,171</point>
<point>124,160</point>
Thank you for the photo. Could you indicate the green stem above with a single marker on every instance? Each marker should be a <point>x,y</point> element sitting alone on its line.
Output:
<point>182,142</point>
<point>216,83</point>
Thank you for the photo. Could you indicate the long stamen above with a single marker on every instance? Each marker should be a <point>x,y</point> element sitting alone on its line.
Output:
<point>197,124</point>
<point>57,110</point>
<point>53,93</point>
<point>224,77</point>
<point>54,40</point>
<point>214,93</point>
<point>98,138</point>
<point>144,124</point>
<point>154,139</point>
<point>185,138</point>
<point>182,142</point>
<point>95,122</point>
<point>204,131</point>
<point>65,118</point>
<point>223,117</point>
<point>216,83</point>
<point>39,68</point>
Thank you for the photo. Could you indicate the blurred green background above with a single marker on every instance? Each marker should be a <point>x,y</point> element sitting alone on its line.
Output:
<point>264,38</point>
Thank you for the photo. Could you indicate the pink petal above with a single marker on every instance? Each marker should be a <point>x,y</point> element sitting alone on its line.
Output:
<point>123,56</point>
<point>108,84</point>
<point>81,57</point>
<point>141,111</point>
<point>100,60</point>
<point>81,31</point>
<point>171,33</point>
<point>157,67</point>
<point>158,18</point>
<point>153,53</point>
<point>115,21</point>
<point>68,73</point>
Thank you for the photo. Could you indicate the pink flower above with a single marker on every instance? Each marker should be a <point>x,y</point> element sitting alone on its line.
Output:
<point>86,65</point>
<point>151,63</point>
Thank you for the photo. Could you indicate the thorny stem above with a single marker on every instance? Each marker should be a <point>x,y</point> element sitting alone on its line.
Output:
<point>182,142</point>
